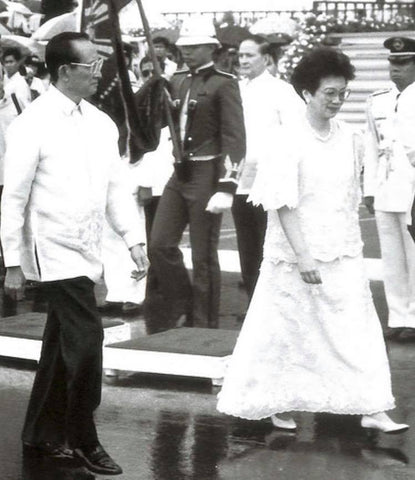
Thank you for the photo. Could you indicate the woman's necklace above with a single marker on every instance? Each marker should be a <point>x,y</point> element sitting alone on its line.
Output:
<point>319,135</point>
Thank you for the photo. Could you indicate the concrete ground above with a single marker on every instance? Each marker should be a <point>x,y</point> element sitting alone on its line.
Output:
<point>164,428</point>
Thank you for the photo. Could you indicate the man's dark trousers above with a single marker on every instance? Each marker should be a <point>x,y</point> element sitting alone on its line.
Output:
<point>182,204</point>
<point>67,387</point>
<point>250,223</point>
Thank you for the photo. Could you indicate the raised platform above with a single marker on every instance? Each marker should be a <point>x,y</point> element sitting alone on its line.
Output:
<point>21,335</point>
<point>192,352</point>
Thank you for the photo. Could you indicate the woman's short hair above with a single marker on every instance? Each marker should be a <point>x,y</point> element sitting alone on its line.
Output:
<point>60,51</point>
<point>320,63</point>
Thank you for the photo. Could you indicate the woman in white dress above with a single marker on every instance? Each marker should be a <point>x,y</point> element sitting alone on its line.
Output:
<point>312,340</point>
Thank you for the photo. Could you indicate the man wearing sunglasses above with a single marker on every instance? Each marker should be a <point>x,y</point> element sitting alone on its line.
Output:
<point>146,68</point>
<point>60,183</point>
<point>389,185</point>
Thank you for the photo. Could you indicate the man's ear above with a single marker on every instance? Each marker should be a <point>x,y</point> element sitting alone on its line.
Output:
<point>268,59</point>
<point>63,72</point>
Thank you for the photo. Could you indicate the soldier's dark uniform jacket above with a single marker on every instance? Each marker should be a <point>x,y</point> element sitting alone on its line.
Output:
<point>215,125</point>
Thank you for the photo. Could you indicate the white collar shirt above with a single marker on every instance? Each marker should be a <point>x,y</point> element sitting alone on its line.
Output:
<point>17,84</point>
<point>269,104</point>
<point>62,176</point>
<point>8,113</point>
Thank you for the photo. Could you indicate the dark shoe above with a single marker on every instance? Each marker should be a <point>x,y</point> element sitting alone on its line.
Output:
<point>97,460</point>
<point>50,450</point>
<point>130,308</point>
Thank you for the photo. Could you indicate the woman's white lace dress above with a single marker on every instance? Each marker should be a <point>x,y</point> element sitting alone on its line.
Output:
<point>315,348</point>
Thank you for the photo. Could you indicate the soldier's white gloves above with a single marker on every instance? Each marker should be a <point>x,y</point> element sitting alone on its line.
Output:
<point>219,202</point>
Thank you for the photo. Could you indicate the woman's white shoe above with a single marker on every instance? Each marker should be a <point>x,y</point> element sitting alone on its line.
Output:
<point>284,424</point>
<point>383,423</point>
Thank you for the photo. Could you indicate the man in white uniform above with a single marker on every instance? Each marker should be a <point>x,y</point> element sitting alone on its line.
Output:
<point>388,187</point>
<point>60,183</point>
<point>268,103</point>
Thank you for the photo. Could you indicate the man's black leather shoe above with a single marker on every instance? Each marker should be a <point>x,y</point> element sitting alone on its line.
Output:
<point>97,460</point>
<point>48,449</point>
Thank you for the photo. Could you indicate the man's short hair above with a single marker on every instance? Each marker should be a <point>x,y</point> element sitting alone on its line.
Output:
<point>163,40</point>
<point>144,60</point>
<point>260,41</point>
<point>60,51</point>
<point>12,52</point>
<point>128,49</point>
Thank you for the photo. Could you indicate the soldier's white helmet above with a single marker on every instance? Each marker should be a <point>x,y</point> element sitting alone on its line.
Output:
<point>197,30</point>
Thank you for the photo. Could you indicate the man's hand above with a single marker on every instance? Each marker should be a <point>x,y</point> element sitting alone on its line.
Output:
<point>369,204</point>
<point>144,195</point>
<point>219,202</point>
<point>14,283</point>
<point>140,259</point>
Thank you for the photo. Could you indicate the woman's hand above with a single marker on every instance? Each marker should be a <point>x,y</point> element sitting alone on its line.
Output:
<point>308,270</point>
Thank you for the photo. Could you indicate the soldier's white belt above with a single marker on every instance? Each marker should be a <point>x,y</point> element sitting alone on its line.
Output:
<point>201,158</point>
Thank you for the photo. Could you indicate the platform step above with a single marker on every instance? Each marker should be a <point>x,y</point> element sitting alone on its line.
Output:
<point>189,352</point>
<point>21,335</point>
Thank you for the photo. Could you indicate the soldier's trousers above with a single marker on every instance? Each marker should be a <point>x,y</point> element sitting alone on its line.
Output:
<point>182,204</point>
<point>250,223</point>
<point>398,258</point>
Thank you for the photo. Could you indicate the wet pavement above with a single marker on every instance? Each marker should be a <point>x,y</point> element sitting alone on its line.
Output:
<point>164,428</point>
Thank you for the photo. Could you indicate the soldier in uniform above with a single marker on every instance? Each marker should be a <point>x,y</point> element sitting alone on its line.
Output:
<point>388,185</point>
<point>209,121</point>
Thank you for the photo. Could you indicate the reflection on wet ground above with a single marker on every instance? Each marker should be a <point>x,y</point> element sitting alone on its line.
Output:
<point>164,428</point>
<point>160,428</point>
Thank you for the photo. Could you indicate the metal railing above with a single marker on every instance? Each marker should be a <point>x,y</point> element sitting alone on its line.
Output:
<point>241,17</point>
<point>349,10</point>
<point>381,10</point>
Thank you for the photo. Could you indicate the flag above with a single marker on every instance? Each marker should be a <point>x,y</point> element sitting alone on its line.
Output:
<point>97,23</point>
<point>139,115</point>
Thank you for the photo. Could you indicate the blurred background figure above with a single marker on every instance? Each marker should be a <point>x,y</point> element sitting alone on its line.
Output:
<point>389,183</point>
<point>41,78</point>
<point>269,104</point>
<point>163,50</point>
<point>153,172</point>
<point>10,108</point>
<point>146,70</point>
<point>277,43</point>
<point>125,294</point>
<point>14,82</point>
<point>129,53</point>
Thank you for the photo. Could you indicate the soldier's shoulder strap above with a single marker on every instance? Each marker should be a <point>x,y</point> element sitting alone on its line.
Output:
<point>182,71</point>
<point>225,74</point>
<point>380,92</point>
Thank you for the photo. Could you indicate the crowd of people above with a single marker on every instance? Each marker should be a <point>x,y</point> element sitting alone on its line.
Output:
<point>271,152</point>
